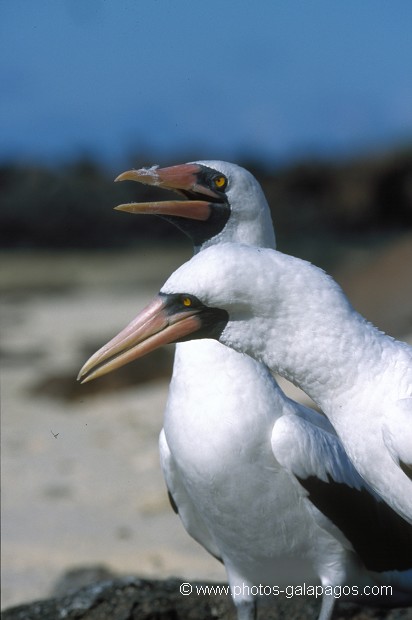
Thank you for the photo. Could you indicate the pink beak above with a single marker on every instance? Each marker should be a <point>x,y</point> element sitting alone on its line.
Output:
<point>182,177</point>
<point>152,328</point>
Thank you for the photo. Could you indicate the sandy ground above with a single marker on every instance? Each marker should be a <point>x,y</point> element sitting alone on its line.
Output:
<point>81,481</point>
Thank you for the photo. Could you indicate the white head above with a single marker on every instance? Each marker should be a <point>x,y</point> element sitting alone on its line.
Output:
<point>224,203</point>
<point>242,296</point>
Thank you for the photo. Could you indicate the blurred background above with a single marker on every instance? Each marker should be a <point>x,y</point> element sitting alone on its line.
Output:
<point>314,98</point>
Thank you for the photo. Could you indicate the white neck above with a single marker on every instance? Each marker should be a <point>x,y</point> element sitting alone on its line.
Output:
<point>304,328</point>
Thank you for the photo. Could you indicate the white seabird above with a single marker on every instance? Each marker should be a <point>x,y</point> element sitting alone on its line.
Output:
<point>239,458</point>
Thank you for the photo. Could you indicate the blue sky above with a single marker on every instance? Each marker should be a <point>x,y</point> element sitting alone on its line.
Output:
<point>221,79</point>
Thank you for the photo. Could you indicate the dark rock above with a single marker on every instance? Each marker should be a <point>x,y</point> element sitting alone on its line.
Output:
<point>132,598</point>
<point>80,577</point>
<point>126,598</point>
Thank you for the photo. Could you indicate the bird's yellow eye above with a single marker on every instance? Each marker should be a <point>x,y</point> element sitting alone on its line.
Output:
<point>220,181</point>
<point>187,302</point>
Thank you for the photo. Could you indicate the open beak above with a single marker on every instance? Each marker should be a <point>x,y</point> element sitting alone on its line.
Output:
<point>153,327</point>
<point>183,179</point>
